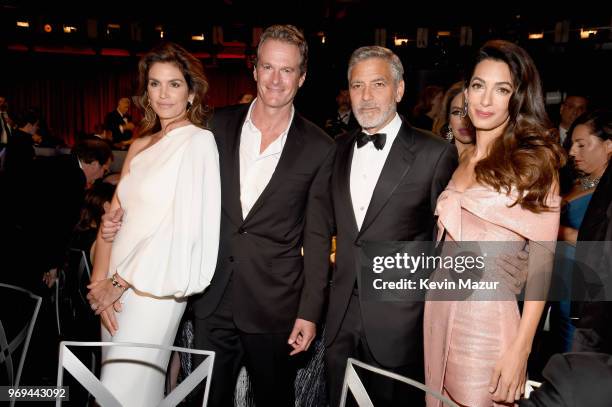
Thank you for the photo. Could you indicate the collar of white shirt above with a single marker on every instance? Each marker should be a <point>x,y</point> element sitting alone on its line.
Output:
<point>391,130</point>
<point>276,147</point>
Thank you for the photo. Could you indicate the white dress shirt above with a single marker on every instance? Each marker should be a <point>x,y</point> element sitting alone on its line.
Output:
<point>366,167</point>
<point>256,168</point>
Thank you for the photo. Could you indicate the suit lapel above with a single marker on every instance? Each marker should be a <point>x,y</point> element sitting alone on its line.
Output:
<point>345,159</point>
<point>398,163</point>
<point>232,168</point>
<point>291,150</point>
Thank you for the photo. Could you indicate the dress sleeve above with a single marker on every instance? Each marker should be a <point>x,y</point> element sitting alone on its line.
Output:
<point>179,258</point>
<point>498,208</point>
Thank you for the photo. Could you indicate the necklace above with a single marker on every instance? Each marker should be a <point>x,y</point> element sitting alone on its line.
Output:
<point>588,182</point>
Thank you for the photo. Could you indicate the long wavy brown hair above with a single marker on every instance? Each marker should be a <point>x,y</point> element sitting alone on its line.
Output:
<point>526,157</point>
<point>191,68</point>
<point>442,120</point>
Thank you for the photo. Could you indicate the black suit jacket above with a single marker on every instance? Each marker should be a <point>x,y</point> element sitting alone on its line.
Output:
<point>45,206</point>
<point>597,222</point>
<point>272,284</point>
<point>60,183</point>
<point>112,122</point>
<point>595,324</point>
<point>574,380</point>
<point>402,208</point>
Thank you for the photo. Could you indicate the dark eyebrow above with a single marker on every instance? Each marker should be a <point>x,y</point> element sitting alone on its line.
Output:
<point>169,80</point>
<point>497,83</point>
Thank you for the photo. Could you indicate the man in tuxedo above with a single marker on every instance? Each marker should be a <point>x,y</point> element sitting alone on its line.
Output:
<point>265,298</point>
<point>385,183</point>
<point>119,122</point>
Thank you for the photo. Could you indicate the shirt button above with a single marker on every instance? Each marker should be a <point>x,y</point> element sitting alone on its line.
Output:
<point>361,208</point>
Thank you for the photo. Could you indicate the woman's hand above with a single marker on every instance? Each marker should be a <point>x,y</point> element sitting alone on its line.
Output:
<point>508,380</point>
<point>109,321</point>
<point>102,294</point>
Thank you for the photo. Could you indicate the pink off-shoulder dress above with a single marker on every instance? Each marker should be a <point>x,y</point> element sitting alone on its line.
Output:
<point>465,339</point>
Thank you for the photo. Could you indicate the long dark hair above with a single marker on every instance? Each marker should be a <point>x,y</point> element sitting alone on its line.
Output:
<point>442,121</point>
<point>526,157</point>
<point>192,70</point>
<point>93,205</point>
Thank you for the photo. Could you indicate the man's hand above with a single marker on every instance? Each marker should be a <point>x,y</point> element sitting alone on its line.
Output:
<point>515,268</point>
<point>302,335</point>
<point>111,223</point>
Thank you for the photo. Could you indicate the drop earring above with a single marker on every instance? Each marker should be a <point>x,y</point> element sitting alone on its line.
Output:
<point>449,136</point>
<point>465,108</point>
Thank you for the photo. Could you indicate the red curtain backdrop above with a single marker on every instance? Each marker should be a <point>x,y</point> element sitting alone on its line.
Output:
<point>74,93</point>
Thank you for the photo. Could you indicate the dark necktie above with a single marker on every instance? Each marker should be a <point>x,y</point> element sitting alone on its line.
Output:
<point>377,139</point>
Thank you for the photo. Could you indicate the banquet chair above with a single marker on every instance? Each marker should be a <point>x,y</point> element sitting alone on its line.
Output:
<point>353,383</point>
<point>530,386</point>
<point>18,313</point>
<point>71,292</point>
<point>68,361</point>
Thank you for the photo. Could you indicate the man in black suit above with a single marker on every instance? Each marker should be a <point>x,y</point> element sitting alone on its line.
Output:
<point>266,298</point>
<point>119,122</point>
<point>44,205</point>
<point>385,184</point>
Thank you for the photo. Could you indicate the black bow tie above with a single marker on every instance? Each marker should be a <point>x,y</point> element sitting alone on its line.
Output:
<point>377,139</point>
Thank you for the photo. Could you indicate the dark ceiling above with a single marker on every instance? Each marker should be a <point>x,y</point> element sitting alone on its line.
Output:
<point>313,13</point>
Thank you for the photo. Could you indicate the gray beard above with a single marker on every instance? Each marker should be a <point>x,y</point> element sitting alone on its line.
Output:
<point>377,121</point>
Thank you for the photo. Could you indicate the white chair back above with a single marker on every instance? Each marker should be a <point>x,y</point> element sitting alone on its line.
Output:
<point>353,383</point>
<point>9,347</point>
<point>530,386</point>
<point>68,361</point>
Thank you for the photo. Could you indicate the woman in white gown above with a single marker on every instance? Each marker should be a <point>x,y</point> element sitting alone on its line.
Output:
<point>167,246</point>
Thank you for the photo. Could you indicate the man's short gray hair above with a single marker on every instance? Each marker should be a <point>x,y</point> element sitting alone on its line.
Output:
<point>375,51</point>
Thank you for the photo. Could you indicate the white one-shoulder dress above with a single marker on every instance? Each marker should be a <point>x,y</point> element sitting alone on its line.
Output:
<point>167,250</point>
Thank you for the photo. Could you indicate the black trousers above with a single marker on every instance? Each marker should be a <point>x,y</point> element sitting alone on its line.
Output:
<point>266,357</point>
<point>351,343</point>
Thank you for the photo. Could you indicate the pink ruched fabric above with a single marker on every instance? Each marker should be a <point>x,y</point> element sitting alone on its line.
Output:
<point>465,339</point>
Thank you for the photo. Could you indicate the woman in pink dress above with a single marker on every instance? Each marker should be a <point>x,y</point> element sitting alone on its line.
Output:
<point>505,189</point>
